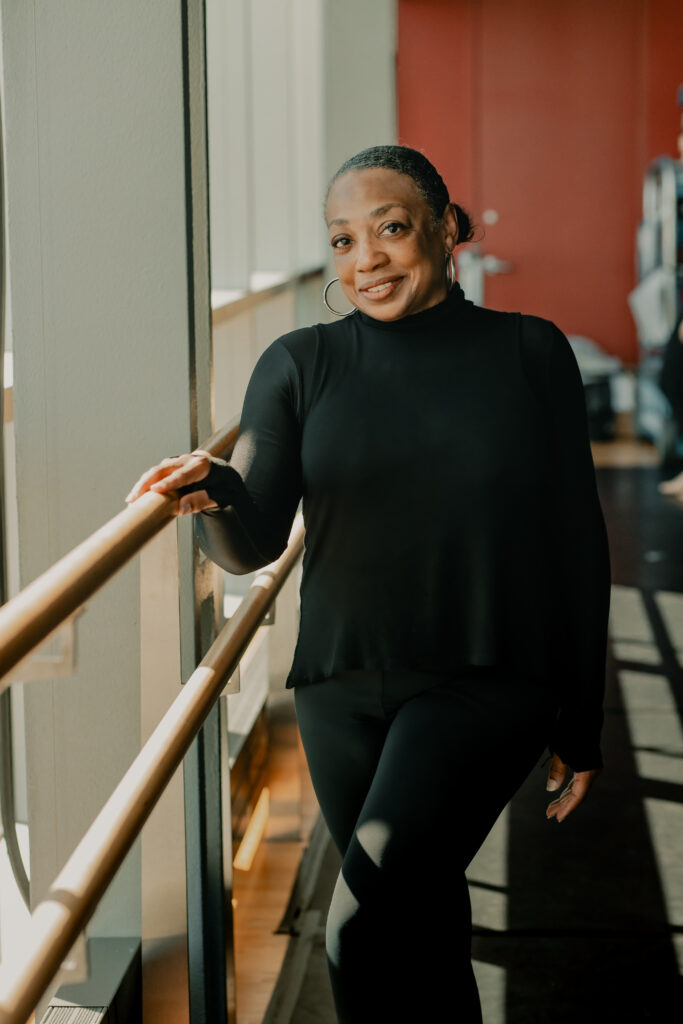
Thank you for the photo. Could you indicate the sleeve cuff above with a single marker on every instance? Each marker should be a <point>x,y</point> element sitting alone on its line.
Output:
<point>579,760</point>
<point>221,483</point>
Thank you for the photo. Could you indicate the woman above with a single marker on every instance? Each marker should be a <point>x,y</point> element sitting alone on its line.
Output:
<point>455,584</point>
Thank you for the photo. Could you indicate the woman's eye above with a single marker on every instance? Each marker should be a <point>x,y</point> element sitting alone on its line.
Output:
<point>393,228</point>
<point>339,243</point>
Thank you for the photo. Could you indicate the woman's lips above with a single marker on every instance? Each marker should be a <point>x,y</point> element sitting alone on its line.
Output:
<point>381,290</point>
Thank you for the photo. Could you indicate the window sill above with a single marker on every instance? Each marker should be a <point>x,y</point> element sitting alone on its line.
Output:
<point>226,304</point>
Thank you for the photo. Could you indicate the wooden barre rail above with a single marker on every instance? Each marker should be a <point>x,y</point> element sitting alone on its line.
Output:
<point>30,617</point>
<point>26,972</point>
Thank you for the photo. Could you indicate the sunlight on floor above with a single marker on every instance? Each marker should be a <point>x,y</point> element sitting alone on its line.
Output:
<point>487,876</point>
<point>656,733</point>
<point>491,984</point>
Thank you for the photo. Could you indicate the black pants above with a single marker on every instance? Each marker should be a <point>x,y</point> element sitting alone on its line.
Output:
<point>411,770</point>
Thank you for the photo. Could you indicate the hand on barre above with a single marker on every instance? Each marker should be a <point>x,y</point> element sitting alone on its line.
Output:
<point>673,486</point>
<point>173,473</point>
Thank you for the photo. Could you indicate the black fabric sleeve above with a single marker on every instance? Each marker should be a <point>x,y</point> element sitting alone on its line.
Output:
<point>259,490</point>
<point>582,574</point>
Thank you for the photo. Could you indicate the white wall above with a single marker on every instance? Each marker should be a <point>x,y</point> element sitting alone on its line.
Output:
<point>96,196</point>
<point>265,137</point>
<point>360,77</point>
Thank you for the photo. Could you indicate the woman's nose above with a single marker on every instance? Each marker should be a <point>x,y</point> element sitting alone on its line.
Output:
<point>370,254</point>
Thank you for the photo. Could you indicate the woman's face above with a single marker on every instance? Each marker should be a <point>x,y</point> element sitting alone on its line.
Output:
<point>389,256</point>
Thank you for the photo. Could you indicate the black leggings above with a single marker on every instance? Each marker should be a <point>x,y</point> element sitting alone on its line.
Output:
<point>411,770</point>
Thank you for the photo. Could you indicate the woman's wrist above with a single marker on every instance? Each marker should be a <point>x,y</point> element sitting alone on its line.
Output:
<point>220,483</point>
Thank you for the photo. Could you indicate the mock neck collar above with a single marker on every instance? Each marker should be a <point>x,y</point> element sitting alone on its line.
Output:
<point>453,305</point>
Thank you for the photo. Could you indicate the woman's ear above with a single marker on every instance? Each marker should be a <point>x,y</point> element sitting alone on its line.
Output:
<point>450,227</point>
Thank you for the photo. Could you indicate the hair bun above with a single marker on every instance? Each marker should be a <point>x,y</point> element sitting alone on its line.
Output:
<point>465,226</point>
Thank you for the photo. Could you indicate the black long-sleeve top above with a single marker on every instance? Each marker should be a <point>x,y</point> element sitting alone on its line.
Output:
<point>449,499</point>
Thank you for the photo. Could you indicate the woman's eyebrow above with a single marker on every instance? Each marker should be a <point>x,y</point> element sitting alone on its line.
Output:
<point>387,206</point>
<point>377,212</point>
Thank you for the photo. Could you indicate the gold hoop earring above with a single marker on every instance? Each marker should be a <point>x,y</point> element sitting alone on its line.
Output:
<point>331,309</point>
<point>450,270</point>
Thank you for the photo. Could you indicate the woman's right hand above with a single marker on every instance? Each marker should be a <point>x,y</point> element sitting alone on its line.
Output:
<point>172,473</point>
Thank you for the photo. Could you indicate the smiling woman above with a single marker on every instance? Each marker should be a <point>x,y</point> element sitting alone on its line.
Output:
<point>456,577</point>
<point>393,230</point>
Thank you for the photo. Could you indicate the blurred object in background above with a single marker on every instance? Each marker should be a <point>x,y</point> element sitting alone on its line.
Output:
<point>599,373</point>
<point>671,383</point>
<point>473,264</point>
<point>657,302</point>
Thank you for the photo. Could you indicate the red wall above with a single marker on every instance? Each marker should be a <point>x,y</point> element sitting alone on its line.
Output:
<point>548,113</point>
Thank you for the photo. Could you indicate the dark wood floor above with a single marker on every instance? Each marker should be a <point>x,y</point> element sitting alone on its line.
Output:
<point>645,528</point>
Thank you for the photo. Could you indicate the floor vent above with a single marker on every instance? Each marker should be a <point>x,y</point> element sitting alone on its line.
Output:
<point>112,991</point>
<point>75,1015</point>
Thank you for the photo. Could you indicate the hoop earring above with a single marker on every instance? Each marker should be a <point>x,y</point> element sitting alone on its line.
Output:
<point>331,309</point>
<point>450,270</point>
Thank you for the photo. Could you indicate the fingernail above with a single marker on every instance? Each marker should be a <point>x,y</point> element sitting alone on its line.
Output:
<point>552,785</point>
<point>185,507</point>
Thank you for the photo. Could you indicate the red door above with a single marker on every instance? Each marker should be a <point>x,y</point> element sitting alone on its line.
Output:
<point>539,115</point>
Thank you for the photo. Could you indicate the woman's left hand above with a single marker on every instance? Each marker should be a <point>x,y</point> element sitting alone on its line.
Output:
<point>174,472</point>
<point>573,794</point>
<point>673,486</point>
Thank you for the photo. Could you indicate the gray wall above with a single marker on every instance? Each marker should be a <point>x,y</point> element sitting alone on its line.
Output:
<point>360,77</point>
<point>96,196</point>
